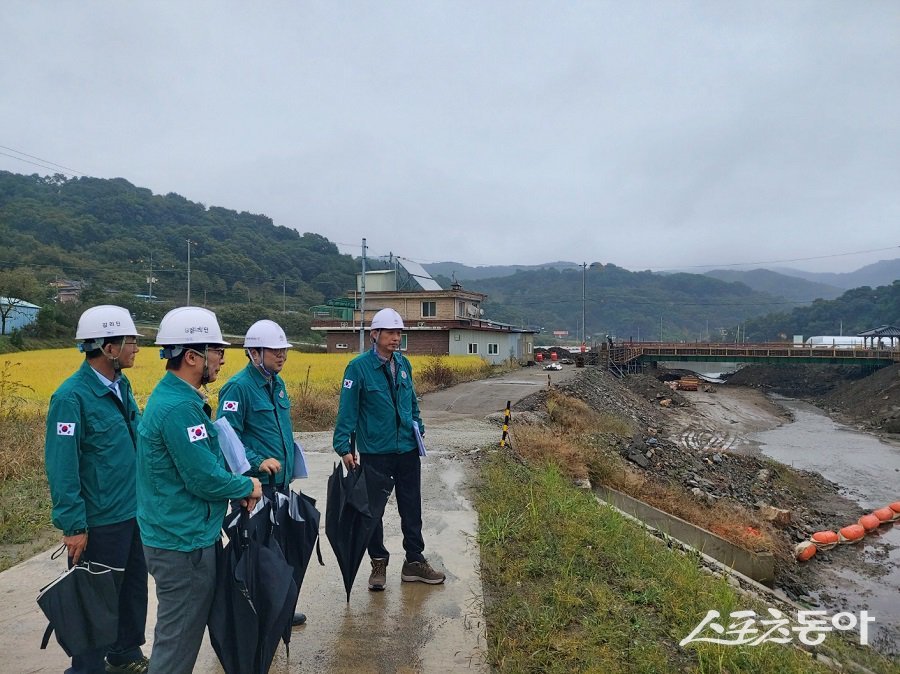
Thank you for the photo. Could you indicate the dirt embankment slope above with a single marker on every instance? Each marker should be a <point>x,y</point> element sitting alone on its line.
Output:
<point>697,442</point>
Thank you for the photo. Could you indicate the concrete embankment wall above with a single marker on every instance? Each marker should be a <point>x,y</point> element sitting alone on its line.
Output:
<point>760,566</point>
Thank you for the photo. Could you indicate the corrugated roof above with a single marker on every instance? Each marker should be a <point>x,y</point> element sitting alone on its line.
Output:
<point>19,303</point>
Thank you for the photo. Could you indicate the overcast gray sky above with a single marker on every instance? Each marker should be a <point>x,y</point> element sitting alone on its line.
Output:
<point>647,134</point>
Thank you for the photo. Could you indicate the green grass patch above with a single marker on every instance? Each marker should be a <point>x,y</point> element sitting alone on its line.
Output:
<point>572,586</point>
<point>7,344</point>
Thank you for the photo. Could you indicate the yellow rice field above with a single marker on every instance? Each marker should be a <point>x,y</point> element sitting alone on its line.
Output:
<point>43,371</point>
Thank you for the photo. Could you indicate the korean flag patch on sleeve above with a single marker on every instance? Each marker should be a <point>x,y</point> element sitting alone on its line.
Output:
<point>197,433</point>
<point>348,383</point>
<point>230,406</point>
<point>65,428</point>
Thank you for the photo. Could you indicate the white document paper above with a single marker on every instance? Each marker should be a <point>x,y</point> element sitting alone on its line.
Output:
<point>232,447</point>
<point>300,470</point>
<point>419,440</point>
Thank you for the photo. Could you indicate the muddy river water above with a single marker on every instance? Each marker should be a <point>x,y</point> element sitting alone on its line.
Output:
<point>868,472</point>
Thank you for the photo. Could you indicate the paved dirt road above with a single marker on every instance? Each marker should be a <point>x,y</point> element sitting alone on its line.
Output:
<point>409,627</point>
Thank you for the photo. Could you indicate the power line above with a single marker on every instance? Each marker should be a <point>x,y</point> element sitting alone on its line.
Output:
<point>27,161</point>
<point>671,266</point>
<point>40,159</point>
<point>795,259</point>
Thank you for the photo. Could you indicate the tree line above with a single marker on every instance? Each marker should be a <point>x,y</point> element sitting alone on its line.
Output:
<point>115,237</point>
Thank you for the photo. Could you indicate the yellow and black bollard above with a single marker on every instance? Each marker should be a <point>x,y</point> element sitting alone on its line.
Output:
<point>504,439</point>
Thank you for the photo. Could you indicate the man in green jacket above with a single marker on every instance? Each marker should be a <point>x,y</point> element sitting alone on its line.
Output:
<point>379,409</point>
<point>90,462</point>
<point>256,404</point>
<point>183,486</point>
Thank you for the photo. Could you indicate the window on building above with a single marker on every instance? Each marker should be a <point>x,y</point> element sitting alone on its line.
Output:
<point>340,346</point>
<point>473,348</point>
<point>460,308</point>
<point>403,341</point>
<point>493,349</point>
<point>429,309</point>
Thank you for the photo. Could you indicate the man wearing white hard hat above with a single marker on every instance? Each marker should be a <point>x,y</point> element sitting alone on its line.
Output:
<point>90,462</point>
<point>380,411</point>
<point>183,486</point>
<point>256,404</point>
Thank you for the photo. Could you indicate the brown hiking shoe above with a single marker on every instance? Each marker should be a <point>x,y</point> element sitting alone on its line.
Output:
<point>378,577</point>
<point>421,572</point>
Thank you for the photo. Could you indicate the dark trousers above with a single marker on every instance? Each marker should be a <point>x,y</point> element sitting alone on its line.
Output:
<point>406,469</point>
<point>119,545</point>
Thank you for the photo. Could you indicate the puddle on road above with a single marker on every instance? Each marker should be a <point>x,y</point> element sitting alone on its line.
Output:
<point>512,381</point>
<point>868,471</point>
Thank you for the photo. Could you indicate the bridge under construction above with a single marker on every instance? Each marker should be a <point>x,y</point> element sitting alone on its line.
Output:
<point>634,356</point>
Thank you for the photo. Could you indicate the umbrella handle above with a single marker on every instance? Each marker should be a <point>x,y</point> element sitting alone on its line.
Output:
<point>243,529</point>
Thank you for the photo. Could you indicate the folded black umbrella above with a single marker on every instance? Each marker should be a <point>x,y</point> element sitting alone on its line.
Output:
<point>255,596</point>
<point>233,623</point>
<point>354,505</point>
<point>82,606</point>
<point>297,531</point>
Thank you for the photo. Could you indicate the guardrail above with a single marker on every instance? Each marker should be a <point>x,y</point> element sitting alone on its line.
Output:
<point>623,354</point>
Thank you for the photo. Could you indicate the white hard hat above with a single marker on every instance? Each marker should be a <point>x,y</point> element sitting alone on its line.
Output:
<point>386,319</point>
<point>189,325</point>
<point>266,334</point>
<point>106,320</point>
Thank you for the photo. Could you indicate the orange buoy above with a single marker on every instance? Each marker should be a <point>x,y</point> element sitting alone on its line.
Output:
<point>884,514</point>
<point>853,533</point>
<point>824,540</point>
<point>895,506</point>
<point>869,522</point>
<point>804,551</point>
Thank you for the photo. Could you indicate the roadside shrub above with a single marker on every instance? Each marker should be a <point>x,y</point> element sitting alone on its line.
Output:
<point>313,408</point>
<point>24,495</point>
<point>436,373</point>
<point>541,446</point>
<point>17,340</point>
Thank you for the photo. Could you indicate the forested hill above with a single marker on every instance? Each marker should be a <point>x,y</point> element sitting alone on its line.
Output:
<point>626,304</point>
<point>853,312</point>
<point>114,236</point>
<point>780,285</point>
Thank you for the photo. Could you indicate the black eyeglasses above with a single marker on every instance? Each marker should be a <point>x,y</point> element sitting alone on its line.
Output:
<point>218,350</point>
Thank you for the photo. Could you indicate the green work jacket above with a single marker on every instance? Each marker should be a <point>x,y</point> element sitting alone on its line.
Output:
<point>259,410</point>
<point>379,412</point>
<point>89,452</point>
<point>183,484</point>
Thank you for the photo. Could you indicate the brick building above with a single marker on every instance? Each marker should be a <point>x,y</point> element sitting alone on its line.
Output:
<point>438,322</point>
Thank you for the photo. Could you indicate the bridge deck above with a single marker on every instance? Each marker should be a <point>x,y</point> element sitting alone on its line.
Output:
<point>777,353</point>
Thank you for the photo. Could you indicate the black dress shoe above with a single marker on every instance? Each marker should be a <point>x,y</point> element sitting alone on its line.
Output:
<point>298,619</point>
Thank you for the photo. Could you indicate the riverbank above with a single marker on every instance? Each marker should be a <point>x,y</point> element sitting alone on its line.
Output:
<point>695,454</point>
<point>866,400</point>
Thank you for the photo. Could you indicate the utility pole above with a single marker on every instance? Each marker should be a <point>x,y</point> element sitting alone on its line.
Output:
<point>583,275</point>
<point>189,244</point>
<point>150,280</point>
<point>283,293</point>
<point>362,301</point>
